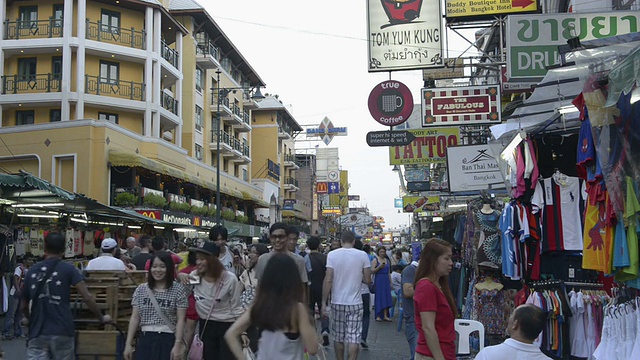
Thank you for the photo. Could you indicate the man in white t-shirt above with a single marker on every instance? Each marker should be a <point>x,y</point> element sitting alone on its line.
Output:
<point>106,260</point>
<point>347,269</point>
<point>524,326</point>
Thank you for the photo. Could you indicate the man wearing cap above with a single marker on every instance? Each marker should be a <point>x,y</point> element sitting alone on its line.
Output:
<point>106,260</point>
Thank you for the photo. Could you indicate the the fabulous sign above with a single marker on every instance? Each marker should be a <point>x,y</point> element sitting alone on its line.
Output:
<point>404,34</point>
<point>533,40</point>
<point>429,147</point>
<point>470,105</point>
<point>472,168</point>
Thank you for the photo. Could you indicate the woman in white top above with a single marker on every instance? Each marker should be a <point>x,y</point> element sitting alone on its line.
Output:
<point>217,296</point>
<point>280,313</point>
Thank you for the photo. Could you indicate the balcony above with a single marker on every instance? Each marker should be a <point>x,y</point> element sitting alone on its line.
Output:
<point>117,88</point>
<point>284,132</point>
<point>32,29</point>
<point>248,102</point>
<point>291,184</point>
<point>225,108</point>
<point>245,124</point>
<point>226,143</point>
<point>170,55</point>
<point>207,55</point>
<point>116,35</point>
<point>169,103</point>
<point>30,84</point>
<point>290,161</point>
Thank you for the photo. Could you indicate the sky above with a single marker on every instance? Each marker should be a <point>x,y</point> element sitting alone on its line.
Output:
<point>313,54</point>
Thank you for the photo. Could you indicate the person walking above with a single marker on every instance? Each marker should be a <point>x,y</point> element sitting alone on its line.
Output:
<point>107,260</point>
<point>217,296</point>
<point>407,291</point>
<point>132,248</point>
<point>219,235</point>
<point>249,284</point>
<point>318,264</point>
<point>48,288</point>
<point>145,252</point>
<point>158,314</point>
<point>347,268</point>
<point>525,324</point>
<point>280,244</point>
<point>435,309</point>
<point>279,311</point>
<point>382,282</point>
<point>13,317</point>
<point>366,305</point>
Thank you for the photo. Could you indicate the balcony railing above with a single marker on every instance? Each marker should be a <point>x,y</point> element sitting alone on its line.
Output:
<point>245,150</point>
<point>170,55</point>
<point>225,138</point>
<point>119,88</point>
<point>113,34</point>
<point>207,48</point>
<point>14,30</point>
<point>291,181</point>
<point>237,145</point>
<point>169,103</point>
<point>289,158</point>
<point>246,117</point>
<point>223,101</point>
<point>36,83</point>
<point>236,110</point>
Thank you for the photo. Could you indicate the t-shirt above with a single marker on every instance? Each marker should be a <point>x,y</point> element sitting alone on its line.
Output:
<point>105,262</point>
<point>396,281</point>
<point>264,259</point>
<point>51,313</point>
<point>347,265</point>
<point>227,260</point>
<point>169,301</point>
<point>512,349</point>
<point>428,297</point>
<point>140,260</point>
<point>408,277</point>
<point>318,263</point>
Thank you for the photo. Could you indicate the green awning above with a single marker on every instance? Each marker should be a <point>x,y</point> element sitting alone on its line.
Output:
<point>624,77</point>
<point>27,181</point>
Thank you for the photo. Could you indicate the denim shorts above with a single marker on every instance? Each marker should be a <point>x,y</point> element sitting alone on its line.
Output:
<point>54,347</point>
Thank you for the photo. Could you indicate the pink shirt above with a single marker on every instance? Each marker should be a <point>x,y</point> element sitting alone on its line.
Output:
<point>428,297</point>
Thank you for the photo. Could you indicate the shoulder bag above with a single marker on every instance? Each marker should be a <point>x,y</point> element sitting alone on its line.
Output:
<point>246,298</point>
<point>152,297</point>
<point>196,350</point>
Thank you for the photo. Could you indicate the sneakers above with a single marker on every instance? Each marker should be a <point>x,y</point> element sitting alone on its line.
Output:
<point>364,344</point>
<point>325,338</point>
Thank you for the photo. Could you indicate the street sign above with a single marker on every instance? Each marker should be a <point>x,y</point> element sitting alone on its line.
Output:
<point>389,138</point>
<point>418,186</point>
<point>390,103</point>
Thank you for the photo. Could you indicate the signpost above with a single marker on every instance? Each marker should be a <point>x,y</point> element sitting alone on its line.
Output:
<point>389,138</point>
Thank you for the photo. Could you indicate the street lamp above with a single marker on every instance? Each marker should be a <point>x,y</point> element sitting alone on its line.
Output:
<point>219,94</point>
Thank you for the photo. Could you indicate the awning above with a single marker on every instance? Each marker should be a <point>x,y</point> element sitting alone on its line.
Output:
<point>296,214</point>
<point>256,199</point>
<point>624,77</point>
<point>28,183</point>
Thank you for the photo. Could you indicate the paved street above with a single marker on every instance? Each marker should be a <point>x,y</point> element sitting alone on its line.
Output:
<point>385,343</point>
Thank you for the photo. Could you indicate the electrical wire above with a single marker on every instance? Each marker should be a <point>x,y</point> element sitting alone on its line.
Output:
<point>13,155</point>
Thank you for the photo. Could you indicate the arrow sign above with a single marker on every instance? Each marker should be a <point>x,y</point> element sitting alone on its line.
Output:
<point>521,3</point>
<point>389,138</point>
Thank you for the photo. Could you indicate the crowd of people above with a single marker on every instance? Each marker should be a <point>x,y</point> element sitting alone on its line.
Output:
<point>216,301</point>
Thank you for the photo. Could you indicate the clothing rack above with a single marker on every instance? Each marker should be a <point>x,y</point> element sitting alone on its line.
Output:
<point>558,282</point>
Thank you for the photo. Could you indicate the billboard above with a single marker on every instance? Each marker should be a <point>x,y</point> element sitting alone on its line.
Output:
<point>452,69</point>
<point>327,164</point>
<point>404,35</point>
<point>485,8</point>
<point>420,203</point>
<point>429,147</point>
<point>532,40</point>
<point>472,168</point>
<point>457,106</point>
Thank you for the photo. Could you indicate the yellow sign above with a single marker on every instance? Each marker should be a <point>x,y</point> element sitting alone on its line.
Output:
<point>420,203</point>
<point>471,8</point>
<point>429,146</point>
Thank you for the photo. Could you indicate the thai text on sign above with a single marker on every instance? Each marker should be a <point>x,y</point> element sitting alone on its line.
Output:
<point>429,147</point>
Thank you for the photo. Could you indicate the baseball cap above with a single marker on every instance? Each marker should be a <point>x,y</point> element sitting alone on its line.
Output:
<point>108,244</point>
<point>209,248</point>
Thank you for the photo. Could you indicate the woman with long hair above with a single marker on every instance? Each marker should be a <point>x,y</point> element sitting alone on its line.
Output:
<point>382,281</point>
<point>158,315</point>
<point>279,311</point>
<point>435,309</point>
<point>217,295</point>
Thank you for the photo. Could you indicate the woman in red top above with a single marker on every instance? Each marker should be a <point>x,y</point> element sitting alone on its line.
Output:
<point>435,309</point>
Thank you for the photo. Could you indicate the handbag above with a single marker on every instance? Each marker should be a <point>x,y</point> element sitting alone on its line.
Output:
<point>152,297</point>
<point>246,298</point>
<point>196,350</point>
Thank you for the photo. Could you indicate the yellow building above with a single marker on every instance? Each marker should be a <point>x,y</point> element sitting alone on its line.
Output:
<point>274,161</point>
<point>103,97</point>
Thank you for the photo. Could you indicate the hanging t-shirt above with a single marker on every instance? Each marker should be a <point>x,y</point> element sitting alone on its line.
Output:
<point>598,239</point>
<point>561,199</point>
<point>631,209</point>
<point>508,242</point>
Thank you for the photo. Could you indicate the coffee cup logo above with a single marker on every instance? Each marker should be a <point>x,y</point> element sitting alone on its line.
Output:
<point>391,103</point>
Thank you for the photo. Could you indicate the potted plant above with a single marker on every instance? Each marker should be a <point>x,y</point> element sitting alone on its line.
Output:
<point>199,210</point>
<point>126,199</point>
<point>211,212</point>
<point>243,219</point>
<point>154,201</point>
<point>228,215</point>
<point>179,207</point>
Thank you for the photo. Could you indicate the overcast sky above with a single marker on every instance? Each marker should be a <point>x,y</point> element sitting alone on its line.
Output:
<point>313,54</point>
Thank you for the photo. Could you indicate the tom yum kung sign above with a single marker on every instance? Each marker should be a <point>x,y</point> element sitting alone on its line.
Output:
<point>458,106</point>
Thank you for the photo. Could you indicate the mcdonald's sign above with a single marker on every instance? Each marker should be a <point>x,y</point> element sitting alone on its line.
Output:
<point>154,214</point>
<point>196,221</point>
<point>322,188</point>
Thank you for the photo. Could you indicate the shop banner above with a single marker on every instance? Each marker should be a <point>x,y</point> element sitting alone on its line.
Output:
<point>472,168</point>
<point>470,105</point>
<point>485,8</point>
<point>533,40</point>
<point>288,204</point>
<point>420,203</point>
<point>429,147</point>
<point>404,35</point>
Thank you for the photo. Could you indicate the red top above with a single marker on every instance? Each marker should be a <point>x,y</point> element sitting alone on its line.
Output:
<point>176,260</point>
<point>192,314</point>
<point>428,297</point>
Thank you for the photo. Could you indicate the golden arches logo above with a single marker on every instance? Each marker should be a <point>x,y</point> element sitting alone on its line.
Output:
<point>196,221</point>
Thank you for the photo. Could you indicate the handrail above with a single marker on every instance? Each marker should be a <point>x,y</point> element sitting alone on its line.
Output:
<point>169,54</point>
<point>107,33</point>
<point>207,48</point>
<point>125,89</point>
<point>246,117</point>
<point>14,30</point>
<point>169,103</point>
<point>20,84</point>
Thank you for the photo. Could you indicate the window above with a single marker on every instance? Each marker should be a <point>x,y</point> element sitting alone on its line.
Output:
<point>199,120</point>
<point>108,117</point>
<point>245,177</point>
<point>199,79</point>
<point>109,72</point>
<point>25,117</point>
<point>28,17</point>
<point>110,21</point>
<point>58,11</point>
<point>27,69</point>
<point>55,115</point>
<point>56,67</point>
<point>198,152</point>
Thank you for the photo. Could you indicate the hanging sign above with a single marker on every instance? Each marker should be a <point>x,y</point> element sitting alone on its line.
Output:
<point>470,105</point>
<point>326,131</point>
<point>420,203</point>
<point>472,168</point>
<point>429,147</point>
<point>486,8</point>
<point>390,103</point>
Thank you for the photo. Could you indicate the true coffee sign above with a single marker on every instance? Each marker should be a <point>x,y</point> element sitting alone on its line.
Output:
<point>390,103</point>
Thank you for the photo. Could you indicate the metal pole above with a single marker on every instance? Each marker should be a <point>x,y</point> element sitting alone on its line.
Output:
<point>218,150</point>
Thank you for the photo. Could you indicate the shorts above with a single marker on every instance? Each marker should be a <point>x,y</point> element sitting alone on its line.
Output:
<point>346,323</point>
